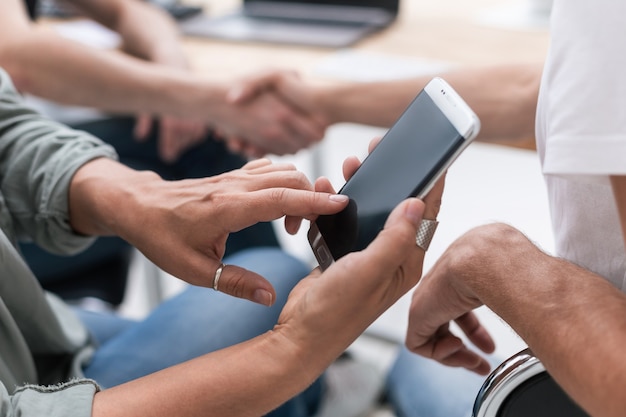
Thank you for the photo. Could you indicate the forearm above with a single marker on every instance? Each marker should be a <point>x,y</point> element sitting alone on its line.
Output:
<point>49,66</point>
<point>248,379</point>
<point>156,39</point>
<point>573,320</point>
<point>103,197</point>
<point>375,103</point>
<point>504,97</point>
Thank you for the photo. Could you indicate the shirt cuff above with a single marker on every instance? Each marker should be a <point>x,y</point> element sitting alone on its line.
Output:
<point>74,398</point>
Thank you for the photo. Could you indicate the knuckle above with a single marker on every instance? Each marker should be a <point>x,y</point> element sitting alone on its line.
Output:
<point>279,194</point>
<point>236,284</point>
<point>289,166</point>
<point>294,178</point>
<point>302,180</point>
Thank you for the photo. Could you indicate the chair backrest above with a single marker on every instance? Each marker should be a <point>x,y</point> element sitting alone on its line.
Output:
<point>521,387</point>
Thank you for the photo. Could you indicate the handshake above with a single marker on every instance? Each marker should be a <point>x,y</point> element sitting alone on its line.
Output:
<point>276,112</point>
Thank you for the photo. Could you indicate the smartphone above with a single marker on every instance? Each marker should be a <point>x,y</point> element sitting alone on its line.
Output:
<point>420,146</point>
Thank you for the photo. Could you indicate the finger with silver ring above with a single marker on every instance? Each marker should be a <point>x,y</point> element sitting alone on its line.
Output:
<point>425,233</point>
<point>218,274</point>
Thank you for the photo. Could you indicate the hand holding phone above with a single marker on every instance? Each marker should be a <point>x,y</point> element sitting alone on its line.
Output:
<point>421,145</point>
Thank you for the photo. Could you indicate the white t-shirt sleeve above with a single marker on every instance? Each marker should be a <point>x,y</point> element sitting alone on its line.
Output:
<point>587,126</point>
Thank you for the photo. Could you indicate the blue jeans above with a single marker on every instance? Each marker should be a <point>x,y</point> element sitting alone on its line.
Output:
<point>197,321</point>
<point>420,387</point>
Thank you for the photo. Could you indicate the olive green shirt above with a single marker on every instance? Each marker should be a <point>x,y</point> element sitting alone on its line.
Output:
<point>42,343</point>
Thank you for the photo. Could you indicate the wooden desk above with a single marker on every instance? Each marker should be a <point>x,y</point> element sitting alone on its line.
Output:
<point>444,30</point>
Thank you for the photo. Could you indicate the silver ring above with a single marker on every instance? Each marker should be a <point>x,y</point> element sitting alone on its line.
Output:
<point>218,274</point>
<point>425,233</point>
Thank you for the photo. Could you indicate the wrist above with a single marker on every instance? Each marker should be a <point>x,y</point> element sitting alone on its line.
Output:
<point>295,354</point>
<point>490,256</point>
<point>210,100</point>
<point>177,92</point>
<point>327,100</point>
<point>311,345</point>
<point>104,197</point>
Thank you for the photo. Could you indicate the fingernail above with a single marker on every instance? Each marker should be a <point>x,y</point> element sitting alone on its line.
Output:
<point>262,297</point>
<point>339,198</point>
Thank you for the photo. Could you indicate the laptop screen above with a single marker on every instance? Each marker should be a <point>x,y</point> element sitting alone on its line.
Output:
<point>327,23</point>
<point>390,5</point>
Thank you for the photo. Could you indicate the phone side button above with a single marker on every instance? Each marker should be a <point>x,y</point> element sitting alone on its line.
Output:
<point>323,257</point>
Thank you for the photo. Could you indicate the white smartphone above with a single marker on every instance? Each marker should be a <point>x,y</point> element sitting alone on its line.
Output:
<point>421,145</point>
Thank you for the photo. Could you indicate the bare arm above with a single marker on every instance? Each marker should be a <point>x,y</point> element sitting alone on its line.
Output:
<point>573,320</point>
<point>45,64</point>
<point>155,39</point>
<point>504,97</point>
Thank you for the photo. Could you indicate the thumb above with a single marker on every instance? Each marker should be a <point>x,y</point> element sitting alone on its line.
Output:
<point>251,86</point>
<point>242,283</point>
<point>247,89</point>
<point>395,244</point>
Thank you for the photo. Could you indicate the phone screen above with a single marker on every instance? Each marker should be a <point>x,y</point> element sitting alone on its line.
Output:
<point>412,152</point>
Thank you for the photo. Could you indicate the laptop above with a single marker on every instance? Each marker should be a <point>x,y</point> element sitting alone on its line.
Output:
<point>325,23</point>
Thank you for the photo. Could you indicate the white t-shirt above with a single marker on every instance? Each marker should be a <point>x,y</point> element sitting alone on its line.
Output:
<point>581,132</point>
